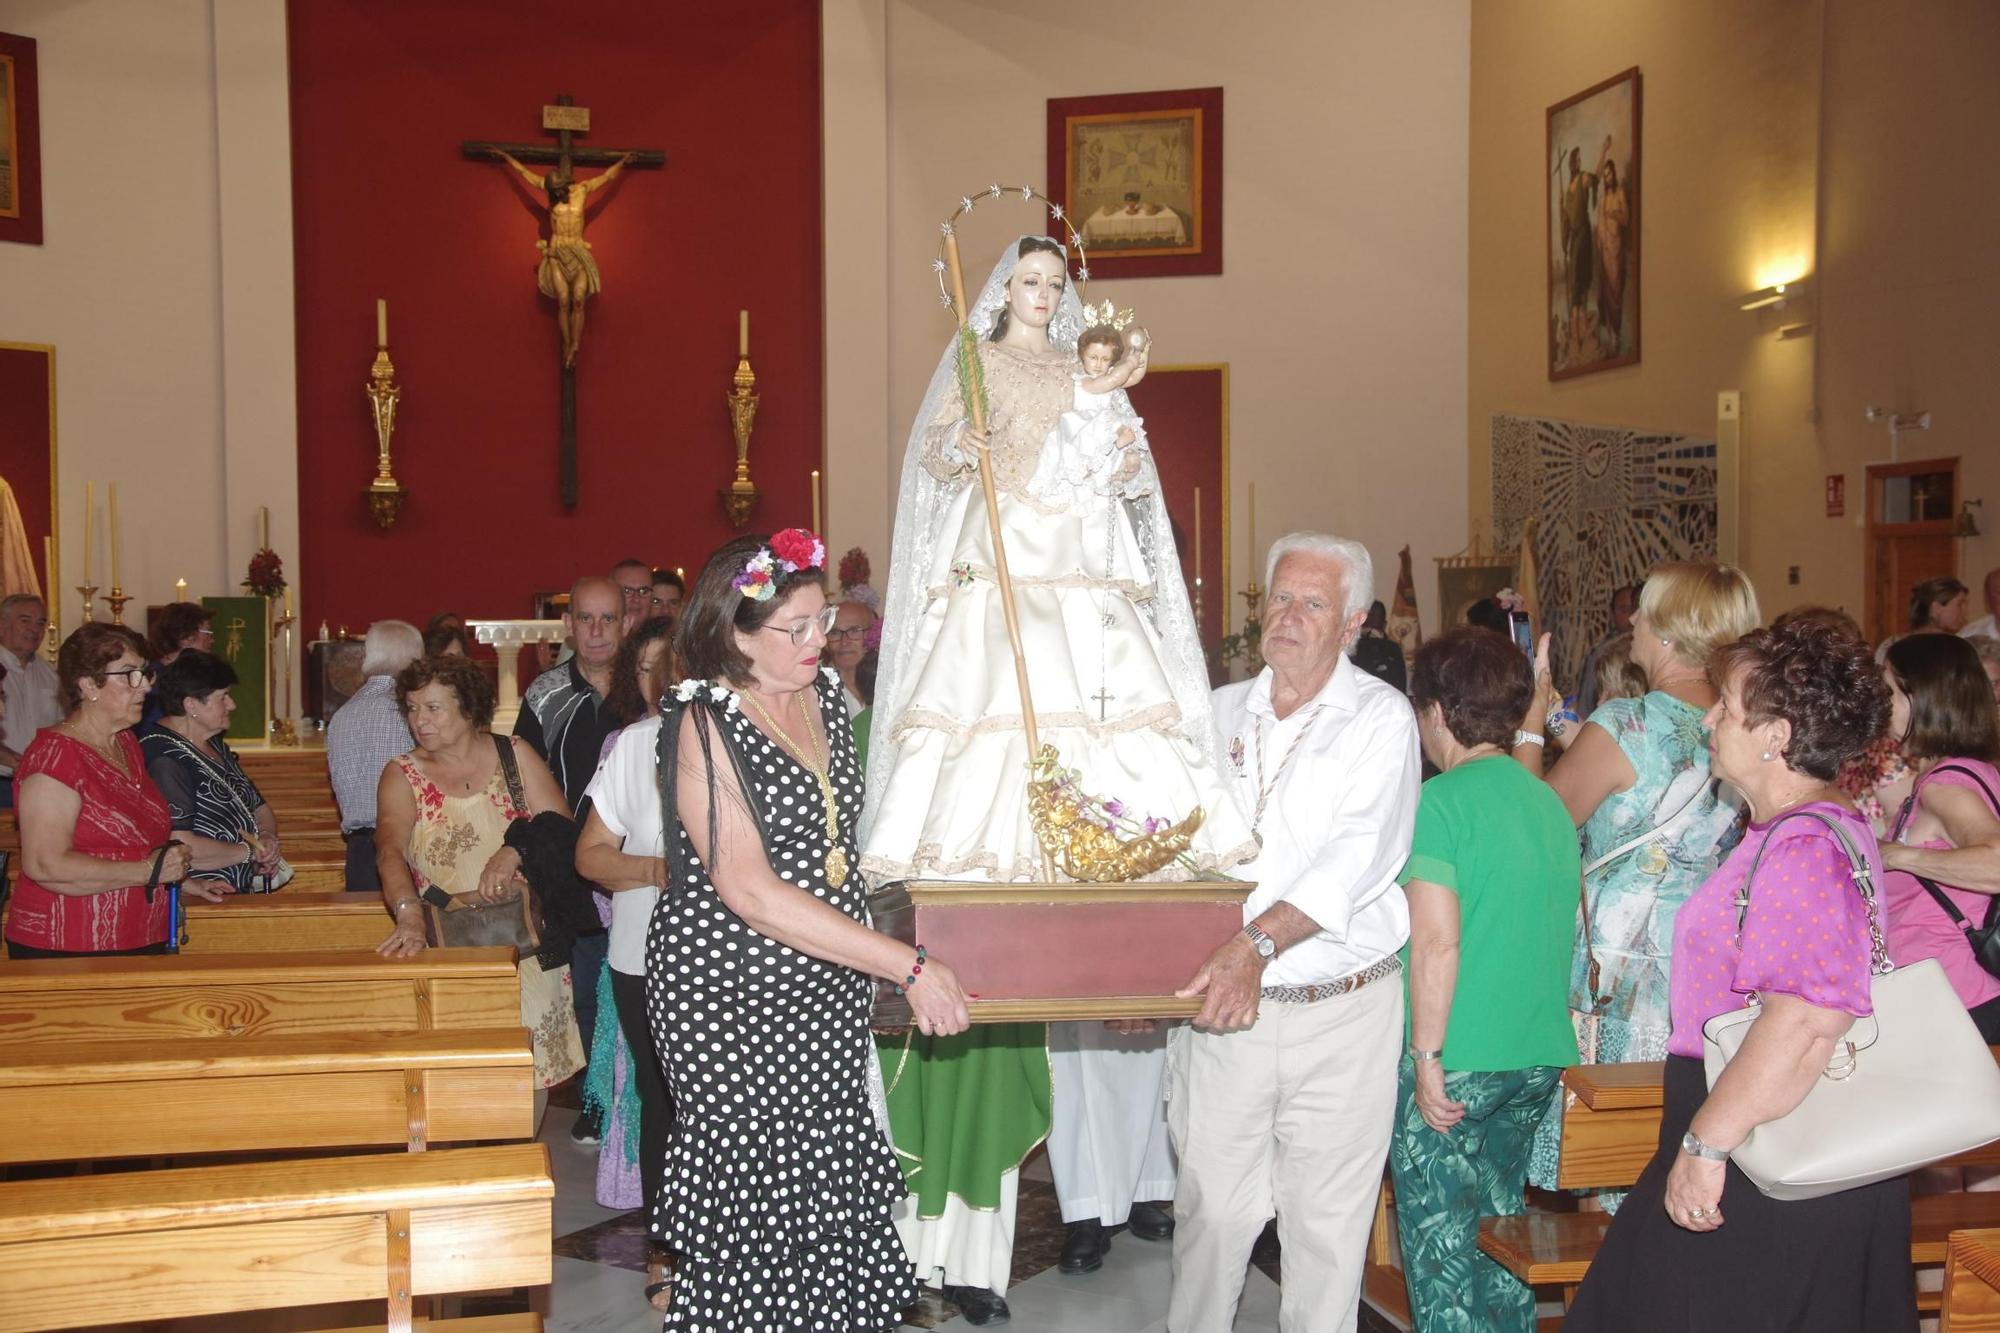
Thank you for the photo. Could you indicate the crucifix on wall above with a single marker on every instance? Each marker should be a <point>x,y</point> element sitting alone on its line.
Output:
<point>567,272</point>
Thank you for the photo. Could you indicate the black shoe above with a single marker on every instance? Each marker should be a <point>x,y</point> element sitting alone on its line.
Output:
<point>1266,1251</point>
<point>1084,1247</point>
<point>979,1306</point>
<point>1151,1221</point>
<point>587,1131</point>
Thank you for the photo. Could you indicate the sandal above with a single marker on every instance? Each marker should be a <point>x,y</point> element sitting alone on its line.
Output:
<point>659,1284</point>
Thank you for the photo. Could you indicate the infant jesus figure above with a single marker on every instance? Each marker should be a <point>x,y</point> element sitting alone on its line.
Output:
<point>1091,450</point>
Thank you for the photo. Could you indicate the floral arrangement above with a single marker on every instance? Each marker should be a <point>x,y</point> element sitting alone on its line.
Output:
<point>267,573</point>
<point>1509,600</point>
<point>792,550</point>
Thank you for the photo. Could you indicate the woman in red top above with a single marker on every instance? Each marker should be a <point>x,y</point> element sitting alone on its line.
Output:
<point>91,820</point>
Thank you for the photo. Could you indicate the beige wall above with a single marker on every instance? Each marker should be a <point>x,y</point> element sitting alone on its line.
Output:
<point>1743,183</point>
<point>1341,308</point>
<point>165,282</point>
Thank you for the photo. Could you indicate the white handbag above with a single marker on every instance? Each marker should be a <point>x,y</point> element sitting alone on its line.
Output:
<point>1907,1086</point>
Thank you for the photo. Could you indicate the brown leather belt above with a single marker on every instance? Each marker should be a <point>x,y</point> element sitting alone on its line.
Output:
<point>1326,990</point>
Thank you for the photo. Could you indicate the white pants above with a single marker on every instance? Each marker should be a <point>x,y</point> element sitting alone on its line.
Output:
<point>1108,1131</point>
<point>1290,1117</point>
<point>963,1246</point>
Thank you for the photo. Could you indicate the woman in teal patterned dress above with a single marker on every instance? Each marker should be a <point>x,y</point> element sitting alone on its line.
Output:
<point>1654,823</point>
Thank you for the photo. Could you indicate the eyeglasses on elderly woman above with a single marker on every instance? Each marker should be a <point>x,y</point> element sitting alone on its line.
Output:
<point>802,631</point>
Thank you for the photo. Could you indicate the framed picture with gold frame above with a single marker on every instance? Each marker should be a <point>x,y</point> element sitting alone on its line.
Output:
<point>20,142</point>
<point>1140,177</point>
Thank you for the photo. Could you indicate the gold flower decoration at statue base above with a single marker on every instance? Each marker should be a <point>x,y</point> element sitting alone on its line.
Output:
<point>1085,835</point>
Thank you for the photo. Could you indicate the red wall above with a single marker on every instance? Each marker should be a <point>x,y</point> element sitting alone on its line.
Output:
<point>383,91</point>
<point>24,447</point>
<point>1186,414</point>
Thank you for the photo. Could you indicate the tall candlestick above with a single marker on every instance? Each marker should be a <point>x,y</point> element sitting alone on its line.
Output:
<point>815,485</point>
<point>115,581</point>
<point>180,590</point>
<point>742,334</point>
<point>288,601</point>
<point>264,524</point>
<point>89,525</point>
<point>381,322</point>
<point>49,572</point>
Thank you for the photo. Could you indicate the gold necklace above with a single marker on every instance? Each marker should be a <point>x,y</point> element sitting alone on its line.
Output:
<point>112,755</point>
<point>815,764</point>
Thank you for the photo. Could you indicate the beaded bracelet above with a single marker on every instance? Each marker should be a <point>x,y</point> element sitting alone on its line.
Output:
<point>916,970</point>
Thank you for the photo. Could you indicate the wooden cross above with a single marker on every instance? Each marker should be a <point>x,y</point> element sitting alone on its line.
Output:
<point>566,119</point>
<point>1103,700</point>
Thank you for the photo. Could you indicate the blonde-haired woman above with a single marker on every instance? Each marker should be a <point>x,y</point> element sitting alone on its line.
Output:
<point>1654,822</point>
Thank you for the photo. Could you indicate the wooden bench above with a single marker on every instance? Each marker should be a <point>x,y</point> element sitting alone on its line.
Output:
<point>203,1095</point>
<point>290,920</point>
<point>268,994</point>
<point>1972,1283</point>
<point>152,1245</point>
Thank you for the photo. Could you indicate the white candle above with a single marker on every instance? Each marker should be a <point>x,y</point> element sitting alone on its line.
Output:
<point>114,536</point>
<point>815,486</point>
<point>49,570</point>
<point>381,322</point>
<point>264,524</point>
<point>89,527</point>
<point>180,590</point>
<point>743,334</point>
<point>1197,536</point>
<point>1253,532</point>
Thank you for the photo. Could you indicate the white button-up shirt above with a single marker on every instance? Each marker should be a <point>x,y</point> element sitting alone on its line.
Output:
<point>30,690</point>
<point>1337,822</point>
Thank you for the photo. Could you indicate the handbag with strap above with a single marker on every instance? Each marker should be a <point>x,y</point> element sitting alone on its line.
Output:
<point>517,922</point>
<point>1984,939</point>
<point>1907,1086</point>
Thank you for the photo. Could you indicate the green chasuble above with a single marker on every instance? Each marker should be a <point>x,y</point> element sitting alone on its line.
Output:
<point>965,1110</point>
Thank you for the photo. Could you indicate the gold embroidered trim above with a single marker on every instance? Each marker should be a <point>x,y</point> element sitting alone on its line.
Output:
<point>1163,718</point>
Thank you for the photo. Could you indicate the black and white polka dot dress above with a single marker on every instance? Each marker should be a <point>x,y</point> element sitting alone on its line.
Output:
<point>779,1182</point>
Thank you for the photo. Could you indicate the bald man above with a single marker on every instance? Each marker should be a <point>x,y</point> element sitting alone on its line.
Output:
<point>563,716</point>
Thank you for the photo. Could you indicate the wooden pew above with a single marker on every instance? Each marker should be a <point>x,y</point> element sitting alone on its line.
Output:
<point>204,1095</point>
<point>271,994</point>
<point>287,921</point>
<point>1611,1130</point>
<point>1972,1283</point>
<point>150,1245</point>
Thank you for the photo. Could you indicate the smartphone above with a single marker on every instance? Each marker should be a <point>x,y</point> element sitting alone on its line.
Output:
<point>1523,632</point>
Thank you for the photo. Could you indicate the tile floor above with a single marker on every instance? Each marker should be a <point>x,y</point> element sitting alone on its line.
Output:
<point>600,1260</point>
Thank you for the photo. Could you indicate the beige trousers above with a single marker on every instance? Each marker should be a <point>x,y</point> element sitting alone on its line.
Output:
<point>1292,1118</point>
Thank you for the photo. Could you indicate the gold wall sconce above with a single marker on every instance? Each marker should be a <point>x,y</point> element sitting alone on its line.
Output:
<point>739,497</point>
<point>385,493</point>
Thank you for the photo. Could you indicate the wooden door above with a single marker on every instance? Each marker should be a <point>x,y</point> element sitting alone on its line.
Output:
<point>1911,509</point>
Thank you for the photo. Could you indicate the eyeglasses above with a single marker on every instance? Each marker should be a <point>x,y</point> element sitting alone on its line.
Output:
<point>823,622</point>
<point>134,676</point>
<point>632,594</point>
<point>851,632</point>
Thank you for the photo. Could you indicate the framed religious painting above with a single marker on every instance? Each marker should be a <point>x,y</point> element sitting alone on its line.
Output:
<point>243,639</point>
<point>1140,177</point>
<point>20,142</point>
<point>1591,183</point>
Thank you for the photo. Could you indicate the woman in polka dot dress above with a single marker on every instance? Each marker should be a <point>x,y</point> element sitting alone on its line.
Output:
<point>779,1182</point>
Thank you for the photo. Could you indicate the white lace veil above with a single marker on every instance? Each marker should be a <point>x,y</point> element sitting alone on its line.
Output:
<point>921,504</point>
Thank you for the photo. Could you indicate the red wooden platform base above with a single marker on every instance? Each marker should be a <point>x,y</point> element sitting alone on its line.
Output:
<point>1049,952</point>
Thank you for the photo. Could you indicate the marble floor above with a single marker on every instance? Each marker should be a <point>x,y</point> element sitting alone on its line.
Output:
<point>600,1262</point>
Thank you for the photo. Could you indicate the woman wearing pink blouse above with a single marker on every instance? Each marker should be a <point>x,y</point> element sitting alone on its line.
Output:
<point>1948,831</point>
<point>1697,1246</point>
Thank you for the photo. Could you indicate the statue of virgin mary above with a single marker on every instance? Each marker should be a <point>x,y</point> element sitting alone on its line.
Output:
<point>1119,687</point>
<point>1115,667</point>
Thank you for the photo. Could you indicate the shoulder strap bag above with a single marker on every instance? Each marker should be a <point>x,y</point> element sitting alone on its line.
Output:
<point>514,923</point>
<point>1984,939</point>
<point>1907,1086</point>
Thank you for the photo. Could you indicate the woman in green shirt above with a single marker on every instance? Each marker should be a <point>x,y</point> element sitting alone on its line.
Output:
<point>1492,886</point>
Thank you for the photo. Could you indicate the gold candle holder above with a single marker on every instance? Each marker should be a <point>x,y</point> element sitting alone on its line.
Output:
<point>385,493</point>
<point>89,594</point>
<point>1253,639</point>
<point>283,732</point>
<point>116,600</point>
<point>740,496</point>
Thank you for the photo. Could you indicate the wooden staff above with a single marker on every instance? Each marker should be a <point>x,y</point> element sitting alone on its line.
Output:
<point>975,408</point>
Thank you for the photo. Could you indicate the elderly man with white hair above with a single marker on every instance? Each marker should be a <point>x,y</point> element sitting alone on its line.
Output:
<point>365,735</point>
<point>1281,1096</point>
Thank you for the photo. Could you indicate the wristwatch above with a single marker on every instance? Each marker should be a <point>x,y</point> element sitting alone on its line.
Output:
<point>1266,947</point>
<point>1694,1147</point>
<point>1528,738</point>
<point>1422,1057</point>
